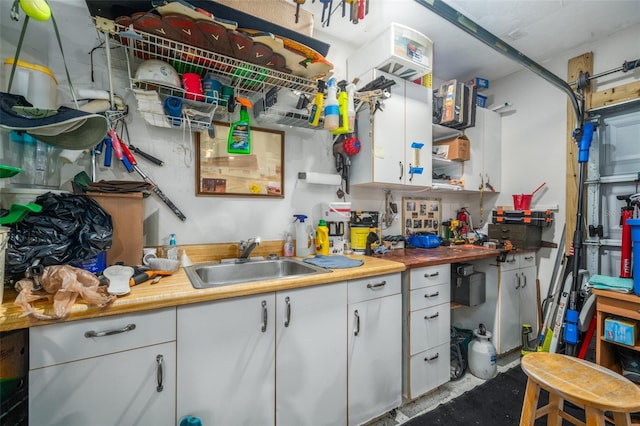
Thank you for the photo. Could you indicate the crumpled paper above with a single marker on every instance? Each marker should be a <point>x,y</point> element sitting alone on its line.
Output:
<point>62,284</point>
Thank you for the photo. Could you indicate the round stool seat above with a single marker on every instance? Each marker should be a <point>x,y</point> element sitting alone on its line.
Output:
<point>583,383</point>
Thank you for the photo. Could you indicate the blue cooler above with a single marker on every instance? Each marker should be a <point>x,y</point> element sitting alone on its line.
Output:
<point>635,237</point>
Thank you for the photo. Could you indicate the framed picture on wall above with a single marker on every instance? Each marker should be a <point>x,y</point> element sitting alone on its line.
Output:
<point>259,173</point>
<point>420,215</point>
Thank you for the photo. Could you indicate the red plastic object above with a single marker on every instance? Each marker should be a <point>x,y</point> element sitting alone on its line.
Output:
<point>351,146</point>
<point>522,201</point>
<point>625,250</point>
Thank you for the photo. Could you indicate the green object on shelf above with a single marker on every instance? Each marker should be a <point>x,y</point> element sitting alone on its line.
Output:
<point>8,171</point>
<point>17,212</point>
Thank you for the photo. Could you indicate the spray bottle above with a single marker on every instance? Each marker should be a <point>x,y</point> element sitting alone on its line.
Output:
<point>239,141</point>
<point>351,108</point>
<point>331,110</point>
<point>302,236</point>
<point>316,109</point>
<point>343,110</point>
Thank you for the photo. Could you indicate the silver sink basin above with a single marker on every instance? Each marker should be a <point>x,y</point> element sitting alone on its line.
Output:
<point>207,275</point>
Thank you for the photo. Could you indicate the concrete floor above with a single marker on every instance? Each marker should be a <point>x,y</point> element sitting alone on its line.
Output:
<point>441,395</point>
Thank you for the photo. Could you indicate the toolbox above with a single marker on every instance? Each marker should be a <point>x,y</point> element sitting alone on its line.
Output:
<point>527,217</point>
<point>522,236</point>
<point>468,290</point>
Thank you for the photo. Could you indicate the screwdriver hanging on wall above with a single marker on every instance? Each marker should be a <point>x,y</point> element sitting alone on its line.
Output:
<point>298,3</point>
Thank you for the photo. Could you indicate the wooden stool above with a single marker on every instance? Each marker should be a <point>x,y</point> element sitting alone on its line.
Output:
<point>594,388</point>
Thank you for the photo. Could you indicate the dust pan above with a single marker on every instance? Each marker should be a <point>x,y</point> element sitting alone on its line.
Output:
<point>17,212</point>
<point>8,171</point>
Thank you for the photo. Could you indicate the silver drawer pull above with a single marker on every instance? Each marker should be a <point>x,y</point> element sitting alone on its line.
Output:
<point>159,372</point>
<point>428,317</point>
<point>91,333</point>
<point>434,274</point>
<point>287,317</point>
<point>528,258</point>
<point>357,316</point>
<point>436,356</point>
<point>264,316</point>
<point>436,294</point>
<point>378,285</point>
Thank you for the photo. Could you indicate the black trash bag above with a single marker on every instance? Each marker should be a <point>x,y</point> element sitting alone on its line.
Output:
<point>69,229</point>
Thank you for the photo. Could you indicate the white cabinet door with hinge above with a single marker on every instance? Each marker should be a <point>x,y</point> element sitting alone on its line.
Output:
<point>418,135</point>
<point>133,387</point>
<point>483,168</point>
<point>375,348</point>
<point>226,361</point>
<point>311,356</point>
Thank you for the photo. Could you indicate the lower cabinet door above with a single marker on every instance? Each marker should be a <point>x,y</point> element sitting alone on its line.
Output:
<point>311,356</point>
<point>134,387</point>
<point>375,358</point>
<point>226,361</point>
<point>429,369</point>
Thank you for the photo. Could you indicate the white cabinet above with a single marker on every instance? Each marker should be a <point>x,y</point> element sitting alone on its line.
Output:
<point>230,351</point>
<point>516,300</point>
<point>375,347</point>
<point>226,360</point>
<point>426,329</point>
<point>486,146</point>
<point>396,141</point>
<point>107,371</point>
<point>311,356</point>
<point>510,300</point>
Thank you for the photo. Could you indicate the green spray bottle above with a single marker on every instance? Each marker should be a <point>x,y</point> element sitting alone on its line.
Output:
<point>239,141</point>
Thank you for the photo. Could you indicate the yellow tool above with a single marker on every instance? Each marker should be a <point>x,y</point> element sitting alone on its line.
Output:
<point>456,229</point>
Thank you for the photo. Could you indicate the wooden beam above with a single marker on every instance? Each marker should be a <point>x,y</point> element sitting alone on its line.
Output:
<point>582,63</point>
<point>615,95</point>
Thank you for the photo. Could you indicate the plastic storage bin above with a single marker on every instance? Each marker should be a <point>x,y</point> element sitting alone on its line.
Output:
<point>399,50</point>
<point>35,82</point>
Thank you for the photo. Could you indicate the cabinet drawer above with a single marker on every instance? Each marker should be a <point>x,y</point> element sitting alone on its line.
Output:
<point>429,275</point>
<point>429,369</point>
<point>430,296</point>
<point>429,328</point>
<point>373,287</point>
<point>527,259</point>
<point>64,342</point>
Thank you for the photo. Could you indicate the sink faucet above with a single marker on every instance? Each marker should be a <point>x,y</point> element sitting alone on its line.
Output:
<point>247,247</point>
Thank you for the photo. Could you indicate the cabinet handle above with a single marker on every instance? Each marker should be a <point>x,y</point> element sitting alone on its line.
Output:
<point>264,316</point>
<point>410,173</point>
<point>435,274</point>
<point>401,170</point>
<point>517,281</point>
<point>513,259</point>
<point>528,258</point>
<point>372,286</point>
<point>287,318</point>
<point>524,280</point>
<point>436,294</point>
<point>159,372</point>
<point>357,316</point>
<point>428,317</point>
<point>91,333</point>
<point>436,356</point>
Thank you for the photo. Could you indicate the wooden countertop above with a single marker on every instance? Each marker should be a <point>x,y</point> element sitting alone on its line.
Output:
<point>176,290</point>
<point>417,257</point>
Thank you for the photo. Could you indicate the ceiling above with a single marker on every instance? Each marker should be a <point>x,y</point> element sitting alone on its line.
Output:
<point>540,29</point>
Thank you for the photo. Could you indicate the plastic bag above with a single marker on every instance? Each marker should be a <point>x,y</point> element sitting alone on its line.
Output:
<point>63,284</point>
<point>69,229</point>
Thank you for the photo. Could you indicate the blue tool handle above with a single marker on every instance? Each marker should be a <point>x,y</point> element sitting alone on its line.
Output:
<point>127,164</point>
<point>108,152</point>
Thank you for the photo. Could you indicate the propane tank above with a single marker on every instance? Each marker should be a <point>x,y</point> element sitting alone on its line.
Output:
<point>482,354</point>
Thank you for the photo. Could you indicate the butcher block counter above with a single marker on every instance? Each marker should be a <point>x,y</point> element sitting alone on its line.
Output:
<point>418,257</point>
<point>176,290</point>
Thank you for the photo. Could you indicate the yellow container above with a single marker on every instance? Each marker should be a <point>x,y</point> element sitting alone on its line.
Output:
<point>35,82</point>
<point>359,238</point>
<point>322,238</point>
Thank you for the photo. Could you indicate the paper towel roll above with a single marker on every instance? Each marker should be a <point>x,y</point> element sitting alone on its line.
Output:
<point>320,178</point>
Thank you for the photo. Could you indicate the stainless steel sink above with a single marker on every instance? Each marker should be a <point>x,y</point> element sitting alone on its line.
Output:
<point>207,275</point>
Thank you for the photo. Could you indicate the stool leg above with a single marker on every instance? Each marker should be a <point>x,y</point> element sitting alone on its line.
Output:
<point>556,404</point>
<point>594,416</point>
<point>530,404</point>
<point>622,419</point>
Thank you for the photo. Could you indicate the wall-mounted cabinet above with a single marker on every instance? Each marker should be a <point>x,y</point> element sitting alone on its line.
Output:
<point>483,170</point>
<point>395,140</point>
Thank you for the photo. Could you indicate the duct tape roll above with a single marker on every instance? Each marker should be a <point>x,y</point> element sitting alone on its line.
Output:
<point>173,108</point>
